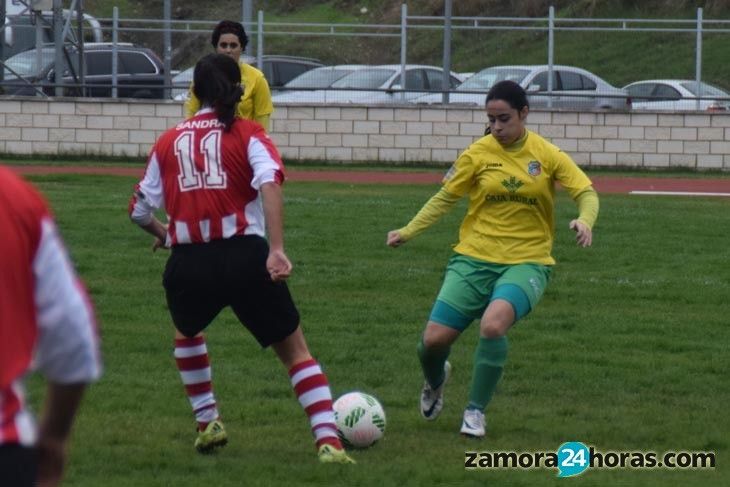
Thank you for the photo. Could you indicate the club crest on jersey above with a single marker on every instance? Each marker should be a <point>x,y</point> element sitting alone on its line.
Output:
<point>512,184</point>
<point>534,168</point>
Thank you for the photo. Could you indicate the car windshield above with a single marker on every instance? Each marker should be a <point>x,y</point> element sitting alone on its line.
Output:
<point>318,78</point>
<point>366,78</point>
<point>485,79</point>
<point>705,89</point>
<point>25,64</point>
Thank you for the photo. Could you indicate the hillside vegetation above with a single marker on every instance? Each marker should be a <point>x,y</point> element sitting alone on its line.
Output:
<point>619,56</point>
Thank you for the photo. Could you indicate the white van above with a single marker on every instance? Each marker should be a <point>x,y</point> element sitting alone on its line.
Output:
<point>21,27</point>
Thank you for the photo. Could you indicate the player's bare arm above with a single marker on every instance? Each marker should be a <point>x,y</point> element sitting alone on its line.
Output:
<point>277,263</point>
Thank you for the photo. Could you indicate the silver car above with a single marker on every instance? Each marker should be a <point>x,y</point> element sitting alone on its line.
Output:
<point>379,85</point>
<point>677,95</point>
<point>572,88</point>
<point>317,78</point>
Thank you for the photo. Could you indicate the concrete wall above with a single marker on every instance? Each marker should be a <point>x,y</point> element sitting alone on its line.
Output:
<point>386,134</point>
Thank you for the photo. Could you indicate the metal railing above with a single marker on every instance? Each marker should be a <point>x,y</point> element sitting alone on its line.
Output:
<point>263,32</point>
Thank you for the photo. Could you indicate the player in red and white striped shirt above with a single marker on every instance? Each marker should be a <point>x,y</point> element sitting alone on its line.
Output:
<point>219,180</point>
<point>46,322</point>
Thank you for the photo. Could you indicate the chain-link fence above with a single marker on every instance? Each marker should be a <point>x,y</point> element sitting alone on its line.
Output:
<point>571,63</point>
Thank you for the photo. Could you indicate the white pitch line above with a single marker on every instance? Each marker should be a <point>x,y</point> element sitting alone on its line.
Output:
<point>677,193</point>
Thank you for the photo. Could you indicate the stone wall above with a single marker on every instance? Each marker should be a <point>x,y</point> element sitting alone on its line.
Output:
<point>384,134</point>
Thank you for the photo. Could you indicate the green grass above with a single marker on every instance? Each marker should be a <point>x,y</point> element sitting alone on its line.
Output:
<point>627,350</point>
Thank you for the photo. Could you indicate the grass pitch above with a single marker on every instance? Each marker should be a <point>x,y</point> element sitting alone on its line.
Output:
<point>626,352</point>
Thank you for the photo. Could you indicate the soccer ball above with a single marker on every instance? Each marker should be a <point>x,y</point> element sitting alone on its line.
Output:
<point>360,419</point>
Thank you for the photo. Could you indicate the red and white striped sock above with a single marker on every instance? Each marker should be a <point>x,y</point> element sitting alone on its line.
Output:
<point>191,357</point>
<point>313,391</point>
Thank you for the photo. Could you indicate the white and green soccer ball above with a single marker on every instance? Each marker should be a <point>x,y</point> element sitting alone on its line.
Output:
<point>360,419</point>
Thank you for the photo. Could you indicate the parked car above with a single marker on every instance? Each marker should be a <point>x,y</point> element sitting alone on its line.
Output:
<point>140,72</point>
<point>278,70</point>
<point>20,31</point>
<point>323,76</point>
<point>181,84</point>
<point>572,88</point>
<point>677,94</point>
<point>380,84</point>
<point>317,78</point>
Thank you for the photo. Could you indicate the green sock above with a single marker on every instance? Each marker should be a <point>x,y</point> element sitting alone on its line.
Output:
<point>489,359</point>
<point>432,362</point>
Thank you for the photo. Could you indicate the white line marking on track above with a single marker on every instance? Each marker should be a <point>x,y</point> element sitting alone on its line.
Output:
<point>678,193</point>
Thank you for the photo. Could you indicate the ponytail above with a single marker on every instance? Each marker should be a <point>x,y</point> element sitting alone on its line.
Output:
<point>217,84</point>
<point>225,107</point>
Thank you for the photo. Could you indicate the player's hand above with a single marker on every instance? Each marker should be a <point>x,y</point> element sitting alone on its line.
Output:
<point>394,239</point>
<point>584,235</point>
<point>278,265</point>
<point>158,244</point>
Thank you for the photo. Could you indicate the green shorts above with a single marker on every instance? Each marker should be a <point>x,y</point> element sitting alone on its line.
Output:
<point>471,284</point>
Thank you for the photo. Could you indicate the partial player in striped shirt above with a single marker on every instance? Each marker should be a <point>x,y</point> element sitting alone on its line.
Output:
<point>219,179</point>
<point>46,323</point>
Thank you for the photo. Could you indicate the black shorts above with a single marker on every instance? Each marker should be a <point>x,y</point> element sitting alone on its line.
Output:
<point>202,279</point>
<point>17,466</point>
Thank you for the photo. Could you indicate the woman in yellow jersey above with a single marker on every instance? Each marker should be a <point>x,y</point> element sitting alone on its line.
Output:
<point>502,262</point>
<point>230,38</point>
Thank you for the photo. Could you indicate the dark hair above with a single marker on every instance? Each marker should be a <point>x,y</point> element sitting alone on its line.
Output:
<point>510,92</point>
<point>217,83</point>
<point>229,27</point>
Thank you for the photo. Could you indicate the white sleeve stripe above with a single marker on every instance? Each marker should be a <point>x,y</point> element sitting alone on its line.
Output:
<point>151,197</point>
<point>67,350</point>
<point>151,184</point>
<point>265,167</point>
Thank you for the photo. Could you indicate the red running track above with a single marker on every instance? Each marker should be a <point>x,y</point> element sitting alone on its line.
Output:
<point>603,184</point>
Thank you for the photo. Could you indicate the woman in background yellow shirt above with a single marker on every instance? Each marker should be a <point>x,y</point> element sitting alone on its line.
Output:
<point>230,38</point>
